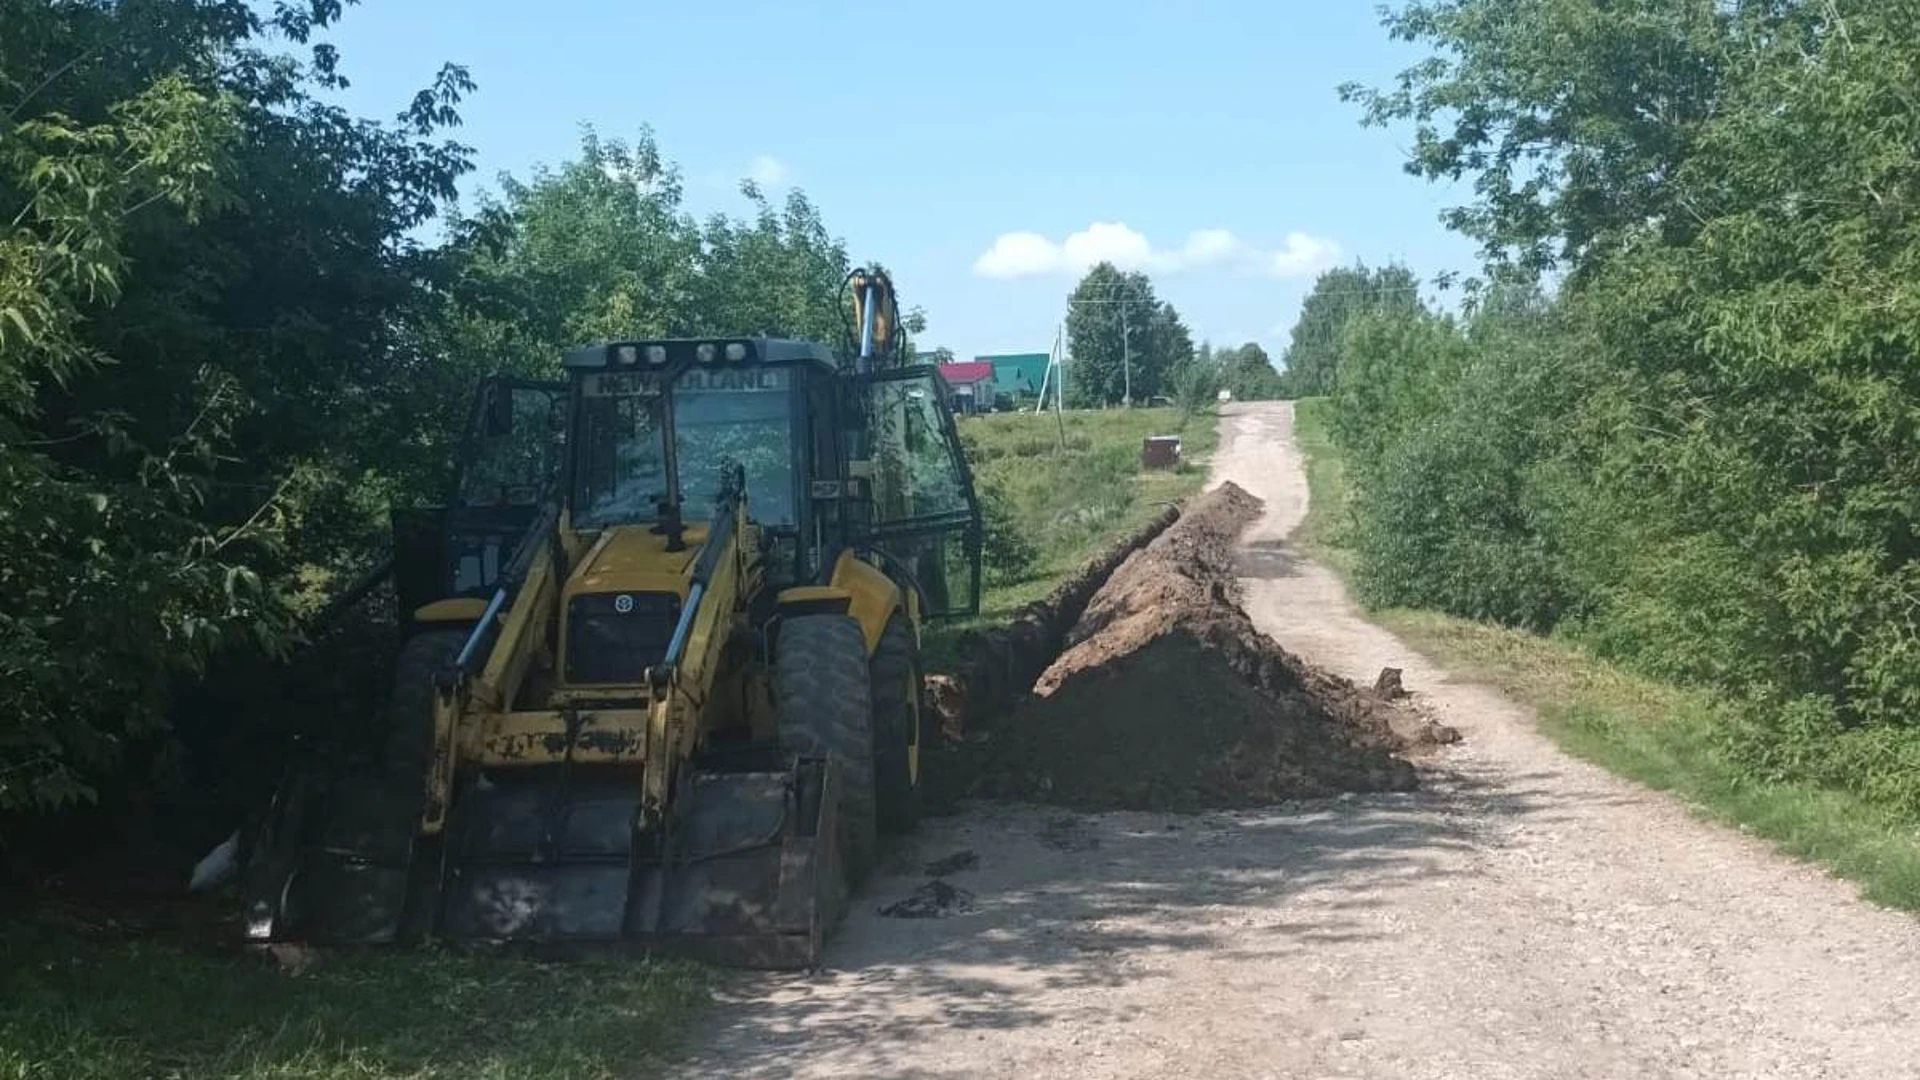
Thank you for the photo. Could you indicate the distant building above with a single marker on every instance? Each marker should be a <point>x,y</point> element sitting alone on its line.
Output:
<point>970,386</point>
<point>1017,375</point>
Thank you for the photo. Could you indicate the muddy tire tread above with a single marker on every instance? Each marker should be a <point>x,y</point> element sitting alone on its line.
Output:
<point>824,705</point>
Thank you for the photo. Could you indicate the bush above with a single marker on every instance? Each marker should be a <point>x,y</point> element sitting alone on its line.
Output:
<point>1196,387</point>
<point>1008,555</point>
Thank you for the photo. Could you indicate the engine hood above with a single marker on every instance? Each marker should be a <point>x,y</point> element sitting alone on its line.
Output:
<point>632,557</point>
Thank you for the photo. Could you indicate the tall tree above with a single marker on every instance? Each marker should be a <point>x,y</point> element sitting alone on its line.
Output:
<point>1570,116</point>
<point>1122,338</point>
<point>1248,372</point>
<point>1169,345</point>
<point>1339,296</point>
<point>602,247</point>
<point>208,293</point>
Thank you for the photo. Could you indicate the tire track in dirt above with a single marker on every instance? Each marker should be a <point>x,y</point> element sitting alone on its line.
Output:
<point>1523,915</point>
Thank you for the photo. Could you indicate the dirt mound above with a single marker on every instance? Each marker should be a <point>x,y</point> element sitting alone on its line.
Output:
<point>997,667</point>
<point>1168,698</point>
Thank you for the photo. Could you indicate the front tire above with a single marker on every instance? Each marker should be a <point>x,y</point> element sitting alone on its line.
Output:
<point>825,709</point>
<point>899,732</point>
<point>410,709</point>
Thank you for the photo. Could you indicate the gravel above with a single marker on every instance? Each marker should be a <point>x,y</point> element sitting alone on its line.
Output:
<point>1521,915</point>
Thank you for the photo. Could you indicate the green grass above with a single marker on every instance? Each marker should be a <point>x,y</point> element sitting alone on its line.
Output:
<point>1072,486</point>
<point>80,1009</point>
<point>1327,514</point>
<point>1659,735</point>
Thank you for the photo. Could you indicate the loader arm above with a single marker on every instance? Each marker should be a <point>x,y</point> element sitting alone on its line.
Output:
<point>493,664</point>
<point>686,675</point>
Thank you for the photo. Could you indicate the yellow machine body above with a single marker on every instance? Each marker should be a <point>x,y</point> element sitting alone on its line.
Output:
<point>634,723</point>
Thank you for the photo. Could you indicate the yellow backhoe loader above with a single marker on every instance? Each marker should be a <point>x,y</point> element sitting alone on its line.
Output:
<point>662,680</point>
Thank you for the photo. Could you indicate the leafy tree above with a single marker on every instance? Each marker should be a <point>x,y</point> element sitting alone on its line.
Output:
<point>206,293</point>
<point>1197,382</point>
<point>1249,373</point>
<point>1570,116</point>
<point>1699,454</point>
<point>225,349</point>
<point>1169,346</point>
<point>1338,297</point>
<point>1121,336</point>
<point>601,247</point>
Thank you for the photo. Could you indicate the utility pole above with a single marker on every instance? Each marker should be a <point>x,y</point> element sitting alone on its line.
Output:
<point>1126,357</point>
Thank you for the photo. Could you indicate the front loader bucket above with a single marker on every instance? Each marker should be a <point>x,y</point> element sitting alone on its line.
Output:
<point>336,861</point>
<point>743,871</point>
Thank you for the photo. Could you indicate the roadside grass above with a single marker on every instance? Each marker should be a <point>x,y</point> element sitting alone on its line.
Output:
<point>1663,736</point>
<point>1069,486</point>
<point>81,1009</point>
<point>1327,517</point>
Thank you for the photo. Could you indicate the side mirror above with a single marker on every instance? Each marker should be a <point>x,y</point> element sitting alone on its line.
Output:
<point>499,419</point>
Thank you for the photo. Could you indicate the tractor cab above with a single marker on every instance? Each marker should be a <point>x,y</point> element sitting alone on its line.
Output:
<point>829,460</point>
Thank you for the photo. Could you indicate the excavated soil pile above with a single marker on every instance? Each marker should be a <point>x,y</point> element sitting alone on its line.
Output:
<point>998,667</point>
<point>1168,698</point>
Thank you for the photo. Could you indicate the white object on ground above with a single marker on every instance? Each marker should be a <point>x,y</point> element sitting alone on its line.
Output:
<point>218,865</point>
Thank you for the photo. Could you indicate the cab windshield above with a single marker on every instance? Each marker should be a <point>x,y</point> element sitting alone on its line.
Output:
<point>737,416</point>
<point>620,468</point>
<point>721,417</point>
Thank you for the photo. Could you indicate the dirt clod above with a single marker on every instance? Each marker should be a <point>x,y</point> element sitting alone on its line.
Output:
<point>934,900</point>
<point>1068,834</point>
<point>1168,698</point>
<point>1388,685</point>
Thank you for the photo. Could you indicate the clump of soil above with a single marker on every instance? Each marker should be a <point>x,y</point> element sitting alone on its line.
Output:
<point>995,668</point>
<point>934,900</point>
<point>1168,698</point>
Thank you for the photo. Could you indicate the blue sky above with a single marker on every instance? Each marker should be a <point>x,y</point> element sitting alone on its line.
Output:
<point>985,151</point>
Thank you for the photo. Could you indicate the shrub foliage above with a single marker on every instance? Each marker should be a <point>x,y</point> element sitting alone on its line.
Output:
<point>1700,452</point>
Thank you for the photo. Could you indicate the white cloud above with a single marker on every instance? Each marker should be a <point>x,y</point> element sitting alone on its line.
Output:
<point>767,171</point>
<point>1029,254</point>
<point>1019,254</point>
<point>1304,255</point>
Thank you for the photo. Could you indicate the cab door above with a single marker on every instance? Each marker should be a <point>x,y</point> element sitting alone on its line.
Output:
<point>509,462</point>
<point>923,514</point>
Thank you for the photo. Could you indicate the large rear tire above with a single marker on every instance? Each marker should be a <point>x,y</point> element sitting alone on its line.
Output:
<point>410,710</point>
<point>898,729</point>
<point>825,709</point>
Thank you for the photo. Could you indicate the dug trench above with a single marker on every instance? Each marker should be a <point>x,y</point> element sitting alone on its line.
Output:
<point>1141,684</point>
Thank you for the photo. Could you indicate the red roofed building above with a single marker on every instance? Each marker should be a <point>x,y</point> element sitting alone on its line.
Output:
<point>969,385</point>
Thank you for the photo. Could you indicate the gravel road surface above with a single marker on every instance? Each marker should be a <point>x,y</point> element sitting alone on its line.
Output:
<point>1524,915</point>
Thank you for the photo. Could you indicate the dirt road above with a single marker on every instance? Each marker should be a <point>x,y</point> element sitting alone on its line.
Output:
<point>1524,915</point>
